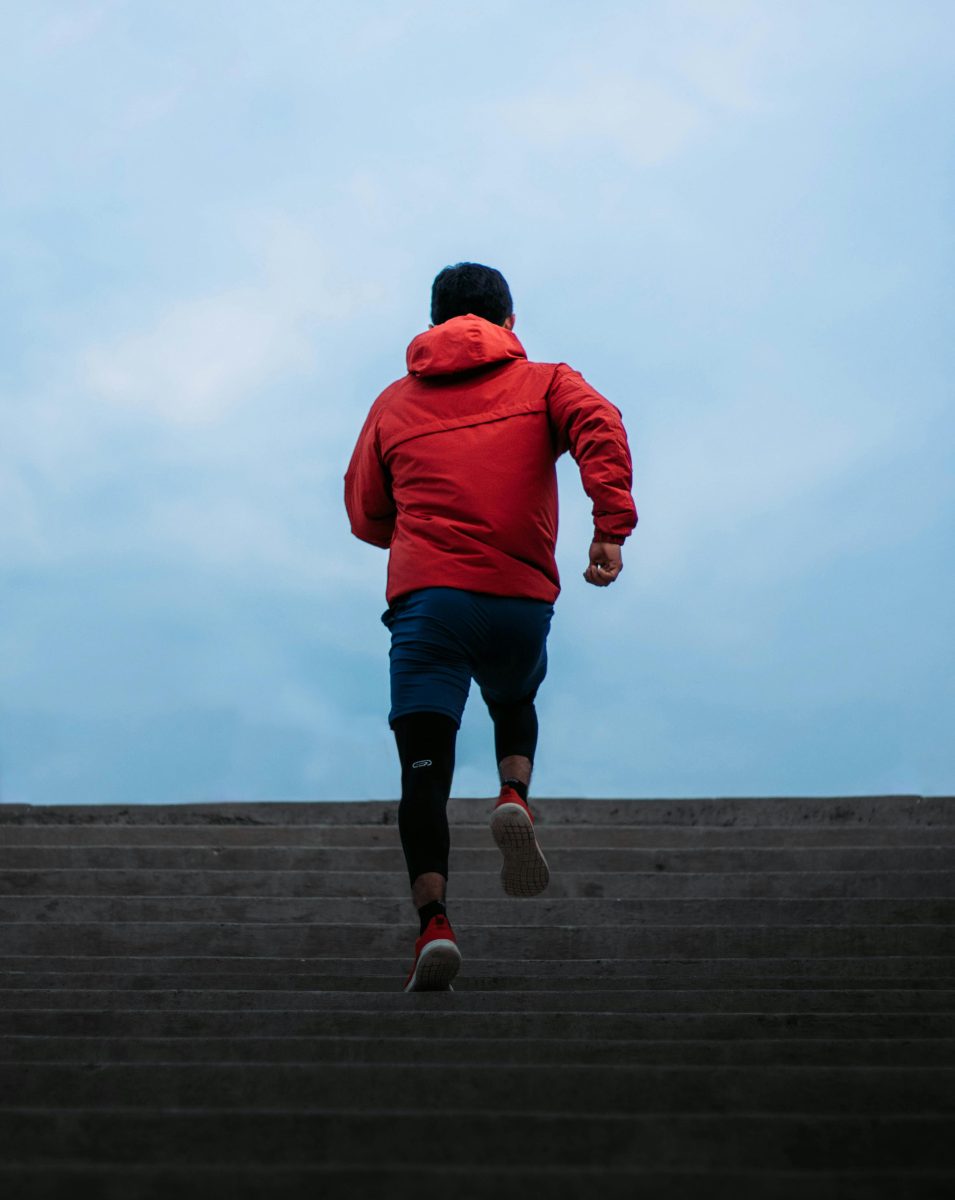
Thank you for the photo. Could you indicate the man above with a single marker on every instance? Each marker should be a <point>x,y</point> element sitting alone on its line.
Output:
<point>454,472</point>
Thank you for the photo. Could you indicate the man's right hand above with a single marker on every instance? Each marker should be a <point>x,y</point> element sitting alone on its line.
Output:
<point>606,563</point>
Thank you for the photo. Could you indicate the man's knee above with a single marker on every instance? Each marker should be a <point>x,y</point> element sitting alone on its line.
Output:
<point>503,711</point>
<point>425,740</point>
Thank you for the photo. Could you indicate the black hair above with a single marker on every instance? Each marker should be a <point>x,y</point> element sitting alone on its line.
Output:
<point>470,288</point>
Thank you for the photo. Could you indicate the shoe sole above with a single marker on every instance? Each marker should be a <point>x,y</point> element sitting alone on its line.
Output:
<point>437,965</point>
<point>525,871</point>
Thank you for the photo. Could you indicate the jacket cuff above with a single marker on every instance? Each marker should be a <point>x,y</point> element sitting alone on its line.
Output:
<point>615,539</point>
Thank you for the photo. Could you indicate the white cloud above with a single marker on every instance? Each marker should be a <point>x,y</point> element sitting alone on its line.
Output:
<point>205,354</point>
<point>686,68</point>
<point>201,357</point>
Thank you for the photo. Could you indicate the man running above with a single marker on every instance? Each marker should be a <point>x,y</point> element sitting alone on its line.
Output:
<point>454,472</point>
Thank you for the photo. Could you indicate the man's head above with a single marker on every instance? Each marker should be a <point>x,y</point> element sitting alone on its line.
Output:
<point>471,288</point>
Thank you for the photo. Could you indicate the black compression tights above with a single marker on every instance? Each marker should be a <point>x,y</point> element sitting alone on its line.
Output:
<point>426,749</point>
<point>515,728</point>
<point>428,740</point>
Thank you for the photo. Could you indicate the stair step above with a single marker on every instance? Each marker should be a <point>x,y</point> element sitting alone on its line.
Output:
<point>908,810</point>
<point>272,981</point>
<point>427,1013</point>
<point>526,1087</point>
<point>328,1136</point>
<point>589,860</point>
<point>517,942</point>
<point>740,1051</point>
<point>476,885</point>
<point>467,999</point>
<point>401,1181</point>
<point>477,836</point>
<point>871,970</point>
<point>606,912</point>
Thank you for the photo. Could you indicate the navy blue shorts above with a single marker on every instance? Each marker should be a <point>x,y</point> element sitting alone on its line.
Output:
<point>443,637</point>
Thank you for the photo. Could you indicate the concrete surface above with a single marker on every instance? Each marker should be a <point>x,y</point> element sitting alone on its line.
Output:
<point>717,997</point>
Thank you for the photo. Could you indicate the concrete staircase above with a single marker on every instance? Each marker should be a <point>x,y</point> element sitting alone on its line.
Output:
<point>714,998</point>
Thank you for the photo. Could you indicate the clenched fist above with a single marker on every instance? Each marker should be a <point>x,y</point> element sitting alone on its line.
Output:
<point>606,563</point>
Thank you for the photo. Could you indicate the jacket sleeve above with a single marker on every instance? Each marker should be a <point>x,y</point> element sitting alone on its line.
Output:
<point>591,428</point>
<point>368,500</point>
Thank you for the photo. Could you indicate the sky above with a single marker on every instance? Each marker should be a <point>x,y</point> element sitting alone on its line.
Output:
<point>219,223</point>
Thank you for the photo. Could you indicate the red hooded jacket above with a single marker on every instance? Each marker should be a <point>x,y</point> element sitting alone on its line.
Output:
<point>454,468</point>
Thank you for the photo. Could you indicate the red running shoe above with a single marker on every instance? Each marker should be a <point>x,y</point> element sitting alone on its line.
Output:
<point>437,958</point>
<point>525,870</point>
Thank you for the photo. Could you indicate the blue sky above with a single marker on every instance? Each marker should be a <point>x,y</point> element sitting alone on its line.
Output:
<point>220,222</point>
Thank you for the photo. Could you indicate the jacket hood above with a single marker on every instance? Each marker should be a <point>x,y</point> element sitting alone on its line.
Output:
<point>461,344</point>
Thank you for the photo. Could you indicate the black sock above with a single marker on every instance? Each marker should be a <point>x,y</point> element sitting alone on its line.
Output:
<point>520,788</point>
<point>434,909</point>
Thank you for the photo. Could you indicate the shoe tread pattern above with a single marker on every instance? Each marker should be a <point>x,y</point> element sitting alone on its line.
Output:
<point>525,871</point>
<point>437,965</point>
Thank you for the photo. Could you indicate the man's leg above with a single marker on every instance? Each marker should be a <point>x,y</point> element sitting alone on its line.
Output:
<point>525,871</point>
<point>426,744</point>
<point>515,741</point>
<point>511,670</point>
<point>430,680</point>
<point>426,749</point>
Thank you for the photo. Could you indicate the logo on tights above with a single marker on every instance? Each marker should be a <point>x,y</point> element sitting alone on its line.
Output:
<point>422,762</point>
